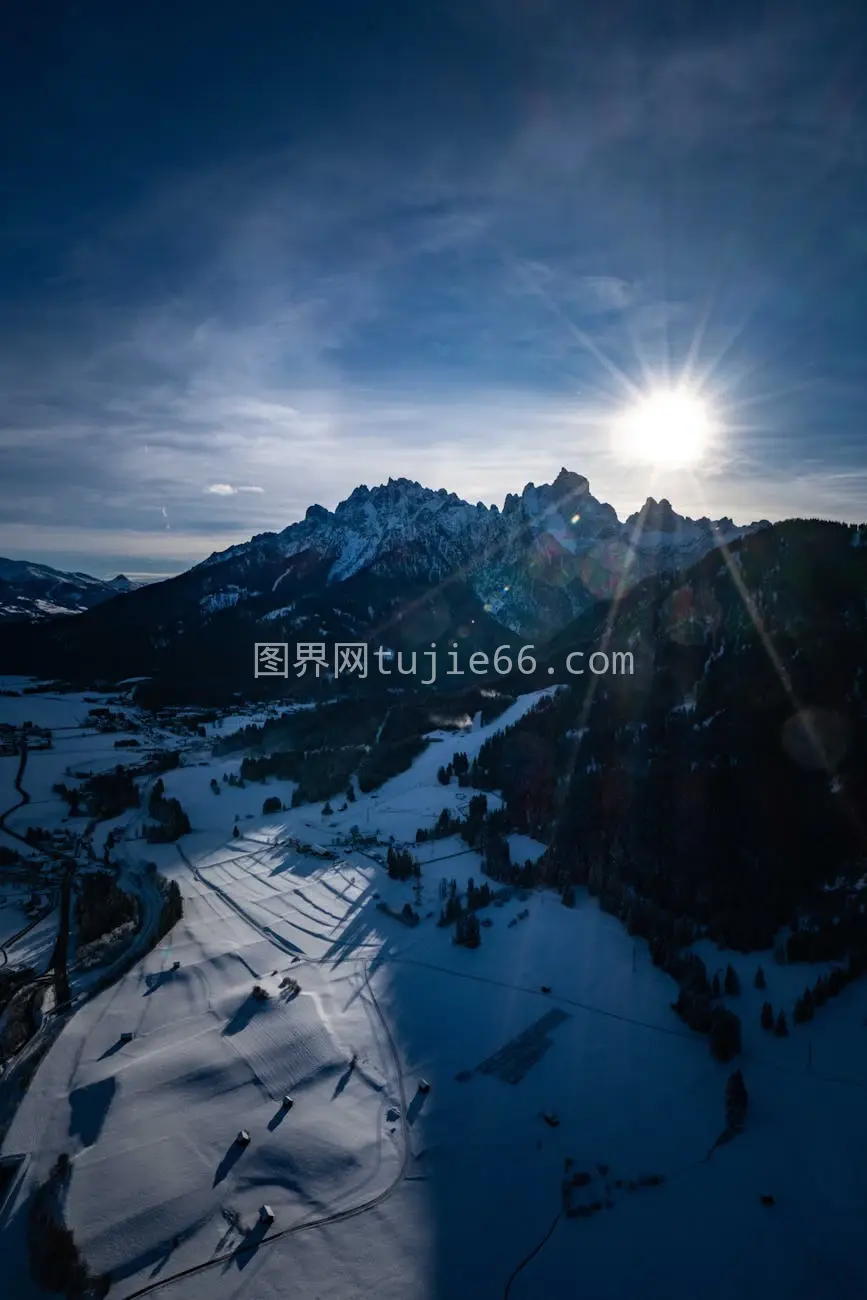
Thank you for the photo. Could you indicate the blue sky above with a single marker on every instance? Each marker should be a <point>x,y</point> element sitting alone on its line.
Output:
<point>255,254</point>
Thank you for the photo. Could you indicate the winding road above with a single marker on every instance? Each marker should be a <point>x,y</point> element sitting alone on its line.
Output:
<point>25,799</point>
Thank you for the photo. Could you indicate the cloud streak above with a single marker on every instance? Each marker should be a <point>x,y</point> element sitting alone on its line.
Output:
<point>227,490</point>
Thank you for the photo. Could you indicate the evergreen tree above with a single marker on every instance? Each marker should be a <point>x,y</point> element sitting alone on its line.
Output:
<point>400,864</point>
<point>732,983</point>
<point>235,833</point>
<point>737,1100</point>
<point>804,1008</point>
<point>715,988</point>
<point>158,789</point>
<point>467,931</point>
<point>725,1035</point>
<point>767,1016</point>
<point>781,1028</point>
<point>477,807</point>
<point>760,979</point>
<point>350,793</point>
<point>327,810</point>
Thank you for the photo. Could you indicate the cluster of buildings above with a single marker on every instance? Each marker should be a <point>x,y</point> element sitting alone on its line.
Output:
<point>12,737</point>
<point>103,719</point>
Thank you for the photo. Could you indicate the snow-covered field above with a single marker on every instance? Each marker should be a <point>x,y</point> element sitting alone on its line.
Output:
<point>390,1192</point>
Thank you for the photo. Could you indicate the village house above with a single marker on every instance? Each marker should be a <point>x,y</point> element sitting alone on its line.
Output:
<point>12,737</point>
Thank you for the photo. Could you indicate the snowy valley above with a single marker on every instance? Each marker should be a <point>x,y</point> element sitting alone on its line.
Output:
<point>563,1137</point>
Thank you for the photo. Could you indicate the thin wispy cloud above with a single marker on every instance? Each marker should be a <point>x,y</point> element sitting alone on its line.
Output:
<point>227,490</point>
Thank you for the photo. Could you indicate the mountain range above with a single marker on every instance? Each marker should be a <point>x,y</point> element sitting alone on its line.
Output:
<point>36,592</point>
<point>548,553</point>
<point>399,564</point>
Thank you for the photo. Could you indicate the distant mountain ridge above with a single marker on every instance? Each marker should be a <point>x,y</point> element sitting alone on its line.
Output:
<point>36,591</point>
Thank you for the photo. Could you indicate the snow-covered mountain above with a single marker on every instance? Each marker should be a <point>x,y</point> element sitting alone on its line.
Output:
<point>399,565</point>
<point>36,591</point>
<point>548,554</point>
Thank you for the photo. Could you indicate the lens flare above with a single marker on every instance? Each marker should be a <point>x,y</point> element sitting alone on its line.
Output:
<point>668,428</point>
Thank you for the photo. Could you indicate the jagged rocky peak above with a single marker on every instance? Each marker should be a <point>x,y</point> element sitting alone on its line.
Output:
<point>571,486</point>
<point>567,501</point>
<point>401,495</point>
<point>657,517</point>
<point>317,514</point>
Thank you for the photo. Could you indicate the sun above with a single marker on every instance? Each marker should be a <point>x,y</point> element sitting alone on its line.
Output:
<point>669,428</point>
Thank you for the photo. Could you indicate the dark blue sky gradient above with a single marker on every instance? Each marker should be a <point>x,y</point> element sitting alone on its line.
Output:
<point>278,249</point>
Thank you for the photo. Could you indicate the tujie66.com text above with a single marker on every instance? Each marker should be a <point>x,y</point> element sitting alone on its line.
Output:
<point>354,658</point>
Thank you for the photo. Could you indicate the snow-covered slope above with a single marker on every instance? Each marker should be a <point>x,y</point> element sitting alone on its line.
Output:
<point>384,1190</point>
<point>36,591</point>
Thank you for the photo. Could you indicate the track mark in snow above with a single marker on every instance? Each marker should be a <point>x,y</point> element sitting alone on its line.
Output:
<point>532,1255</point>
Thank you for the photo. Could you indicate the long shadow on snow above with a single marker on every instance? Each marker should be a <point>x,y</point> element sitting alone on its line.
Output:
<point>343,1081</point>
<point>414,1108</point>
<point>161,1263</point>
<point>382,954</point>
<point>242,1016</point>
<point>228,1162</point>
<point>305,867</point>
<point>113,1050</point>
<point>157,1256</point>
<point>352,904</point>
<point>89,1107</point>
<point>155,981</point>
<point>353,937</point>
<point>248,1247</point>
<point>276,1120</point>
<point>332,916</point>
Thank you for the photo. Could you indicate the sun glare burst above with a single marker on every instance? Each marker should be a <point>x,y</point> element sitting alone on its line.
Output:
<point>668,428</point>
